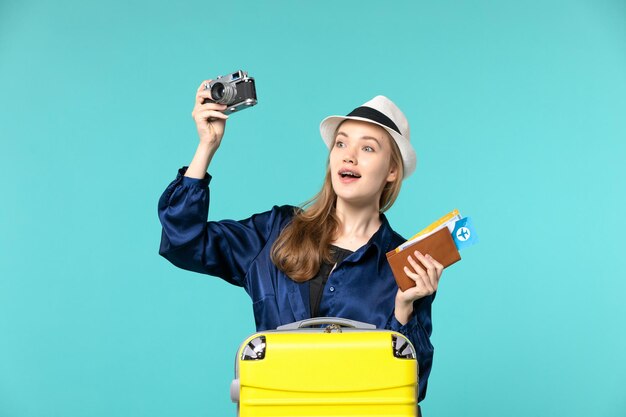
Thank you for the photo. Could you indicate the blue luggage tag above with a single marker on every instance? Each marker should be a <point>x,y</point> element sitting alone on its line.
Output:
<point>464,234</point>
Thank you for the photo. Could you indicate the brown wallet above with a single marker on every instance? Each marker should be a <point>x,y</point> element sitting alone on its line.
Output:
<point>439,245</point>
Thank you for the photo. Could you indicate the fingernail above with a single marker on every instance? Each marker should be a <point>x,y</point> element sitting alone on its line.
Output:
<point>428,256</point>
<point>418,253</point>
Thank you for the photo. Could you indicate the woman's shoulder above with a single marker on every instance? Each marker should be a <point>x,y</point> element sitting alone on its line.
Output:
<point>279,215</point>
<point>285,211</point>
<point>394,237</point>
<point>397,237</point>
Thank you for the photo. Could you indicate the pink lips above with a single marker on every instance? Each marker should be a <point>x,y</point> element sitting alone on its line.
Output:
<point>348,176</point>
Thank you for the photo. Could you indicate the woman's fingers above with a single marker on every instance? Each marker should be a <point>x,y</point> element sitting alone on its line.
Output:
<point>211,114</point>
<point>204,96</point>
<point>431,271</point>
<point>203,93</point>
<point>210,106</point>
<point>200,111</point>
<point>438,266</point>
<point>426,274</point>
<point>420,275</point>
<point>204,84</point>
<point>418,269</point>
<point>420,289</point>
<point>415,277</point>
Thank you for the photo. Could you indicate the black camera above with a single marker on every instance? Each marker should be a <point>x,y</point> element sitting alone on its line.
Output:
<point>236,90</point>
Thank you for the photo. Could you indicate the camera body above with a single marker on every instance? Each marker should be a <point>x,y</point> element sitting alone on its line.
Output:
<point>236,90</point>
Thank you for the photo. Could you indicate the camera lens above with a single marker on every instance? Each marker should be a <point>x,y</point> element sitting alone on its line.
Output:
<point>223,93</point>
<point>217,91</point>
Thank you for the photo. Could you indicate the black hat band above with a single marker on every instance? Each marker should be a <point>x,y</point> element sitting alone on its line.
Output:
<point>374,115</point>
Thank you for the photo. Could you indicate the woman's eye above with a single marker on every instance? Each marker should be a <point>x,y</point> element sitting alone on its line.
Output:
<point>368,149</point>
<point>339,144</point>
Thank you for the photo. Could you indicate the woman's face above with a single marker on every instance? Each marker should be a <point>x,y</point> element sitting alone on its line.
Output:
<point>360,162</point>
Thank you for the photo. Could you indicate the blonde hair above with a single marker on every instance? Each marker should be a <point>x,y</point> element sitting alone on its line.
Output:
<point>304,243</point>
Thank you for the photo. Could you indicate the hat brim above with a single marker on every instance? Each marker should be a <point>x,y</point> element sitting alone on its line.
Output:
<point>329,126</point>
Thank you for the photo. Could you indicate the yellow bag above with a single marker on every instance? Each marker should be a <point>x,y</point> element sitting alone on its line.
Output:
<point>346,368</point>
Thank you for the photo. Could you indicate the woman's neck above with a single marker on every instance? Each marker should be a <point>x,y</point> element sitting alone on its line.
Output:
<point>356,225</point>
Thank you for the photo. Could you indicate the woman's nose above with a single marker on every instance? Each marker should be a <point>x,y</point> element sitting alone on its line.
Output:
<point>349,157</point>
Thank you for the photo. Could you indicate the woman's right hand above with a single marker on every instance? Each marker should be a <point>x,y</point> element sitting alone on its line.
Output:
<point>210,121</point>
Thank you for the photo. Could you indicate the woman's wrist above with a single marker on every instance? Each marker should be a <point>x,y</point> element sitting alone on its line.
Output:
<point>201,160</point>
<point>403,312</point>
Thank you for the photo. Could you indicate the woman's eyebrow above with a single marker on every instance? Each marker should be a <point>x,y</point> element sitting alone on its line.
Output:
<point>362,137</point>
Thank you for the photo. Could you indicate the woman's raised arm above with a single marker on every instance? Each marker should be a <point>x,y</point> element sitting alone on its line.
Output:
<point>210,122</point>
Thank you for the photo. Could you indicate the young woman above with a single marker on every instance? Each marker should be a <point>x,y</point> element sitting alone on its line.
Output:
<point>326,259</point>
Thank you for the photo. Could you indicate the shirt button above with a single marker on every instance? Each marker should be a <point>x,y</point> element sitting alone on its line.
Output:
<point>331,289</point>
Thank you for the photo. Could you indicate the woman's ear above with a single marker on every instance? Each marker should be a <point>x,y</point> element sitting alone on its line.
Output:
<point>393,173</point>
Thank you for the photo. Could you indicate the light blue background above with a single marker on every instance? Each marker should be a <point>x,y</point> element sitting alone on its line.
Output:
<point>518,116</point>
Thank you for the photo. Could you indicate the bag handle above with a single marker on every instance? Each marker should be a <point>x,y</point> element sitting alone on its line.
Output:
<point>316,321</point>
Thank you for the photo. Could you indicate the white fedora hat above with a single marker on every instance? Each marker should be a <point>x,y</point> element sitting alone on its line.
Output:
<point>384,113</point>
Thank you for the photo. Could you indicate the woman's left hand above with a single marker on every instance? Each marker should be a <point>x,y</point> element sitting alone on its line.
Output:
<point>426,283</point>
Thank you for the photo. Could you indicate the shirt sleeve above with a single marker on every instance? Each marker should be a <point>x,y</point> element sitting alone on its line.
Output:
<point>418,330</point>
<point>224,248</point>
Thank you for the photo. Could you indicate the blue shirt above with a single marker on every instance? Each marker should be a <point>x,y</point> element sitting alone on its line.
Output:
<point>360,288</point>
